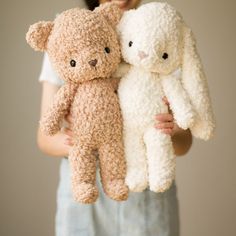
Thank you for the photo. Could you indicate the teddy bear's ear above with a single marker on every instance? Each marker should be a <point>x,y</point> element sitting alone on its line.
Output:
<point>37,35</point>
<point>195,83</point>
<point>110,11</point>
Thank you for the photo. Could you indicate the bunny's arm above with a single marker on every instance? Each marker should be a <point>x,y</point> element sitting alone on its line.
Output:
<point>178,99</point>
<point>121,70</point>
<point>51,121</point>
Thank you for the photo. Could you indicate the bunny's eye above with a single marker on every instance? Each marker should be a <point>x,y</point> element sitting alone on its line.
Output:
<point>130,43</point>
<point>107,50</point>
<point>165,56</point>
<point>73,63</point>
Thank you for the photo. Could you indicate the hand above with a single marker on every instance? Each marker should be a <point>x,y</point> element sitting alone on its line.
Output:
<point>124,4</point>
<point>165,122</point>
<point>182,139</point>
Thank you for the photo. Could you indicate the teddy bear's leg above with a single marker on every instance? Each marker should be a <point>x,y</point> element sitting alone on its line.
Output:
<point>135,153</point>
<point>83,173</point>
<point>161,159</point>
<point>113,170</point>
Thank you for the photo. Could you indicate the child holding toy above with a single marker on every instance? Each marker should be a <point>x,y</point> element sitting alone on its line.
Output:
<point>145,213</point>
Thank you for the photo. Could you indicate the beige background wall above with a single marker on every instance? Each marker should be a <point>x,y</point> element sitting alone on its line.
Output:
<point>28,180</point>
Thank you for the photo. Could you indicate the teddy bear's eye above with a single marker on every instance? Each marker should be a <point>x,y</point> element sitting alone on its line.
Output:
<point>107,50</point>
<point>73,63</point>
<point>130,43</point>
<point>165,55</point>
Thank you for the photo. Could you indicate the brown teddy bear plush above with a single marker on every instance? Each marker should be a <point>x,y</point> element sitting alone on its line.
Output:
<point>83,48</point>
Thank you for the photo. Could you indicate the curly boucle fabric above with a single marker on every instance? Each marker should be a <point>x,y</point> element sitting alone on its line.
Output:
<point>163,61</point>
<point>84,49</point>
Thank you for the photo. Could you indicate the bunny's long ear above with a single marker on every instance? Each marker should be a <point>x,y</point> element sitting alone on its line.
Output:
<point>37,35</point>
<point>195,84</point>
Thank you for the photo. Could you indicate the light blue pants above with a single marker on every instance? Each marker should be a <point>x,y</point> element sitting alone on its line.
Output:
<point>143,214</point>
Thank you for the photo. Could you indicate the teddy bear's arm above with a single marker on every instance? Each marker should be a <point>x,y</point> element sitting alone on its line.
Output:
<point>51,121</point>
<point>179,100</point>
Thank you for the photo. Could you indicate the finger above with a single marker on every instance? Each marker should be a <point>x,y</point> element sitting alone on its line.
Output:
<point>67,131</point>
<point>69,142</point>
<point>164,99</point>
<point>165,125</point>
<point>165,117</point>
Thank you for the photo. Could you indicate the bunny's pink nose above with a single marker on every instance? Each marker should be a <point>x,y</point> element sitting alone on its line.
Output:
<point>142,54</point>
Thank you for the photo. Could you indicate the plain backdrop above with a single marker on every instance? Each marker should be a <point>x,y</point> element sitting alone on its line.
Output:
<point>28,179</point>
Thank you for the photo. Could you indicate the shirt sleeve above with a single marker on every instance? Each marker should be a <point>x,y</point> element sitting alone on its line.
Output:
<point>48,74</point>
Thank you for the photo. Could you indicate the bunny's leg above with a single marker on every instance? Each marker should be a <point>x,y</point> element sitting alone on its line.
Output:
<point>113,170</point>
<point>83,167</point>
<point>161,160</point>
<point>135,153</point>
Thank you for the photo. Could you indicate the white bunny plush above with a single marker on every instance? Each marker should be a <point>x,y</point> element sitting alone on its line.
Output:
<point>163,59</point>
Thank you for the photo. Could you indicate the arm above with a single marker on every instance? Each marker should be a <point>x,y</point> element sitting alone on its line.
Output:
<point>52,118</point>
<point>56,145</point>
<point>182,141</point>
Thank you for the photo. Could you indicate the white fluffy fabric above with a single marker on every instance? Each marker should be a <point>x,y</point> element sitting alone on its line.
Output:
<point>147,35</point>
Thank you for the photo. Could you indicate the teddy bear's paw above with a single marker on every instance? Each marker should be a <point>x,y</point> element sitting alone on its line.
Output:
<point>49,129</point>
<point>85,193</point>
<point>117,190</point>
<point>137,183</point>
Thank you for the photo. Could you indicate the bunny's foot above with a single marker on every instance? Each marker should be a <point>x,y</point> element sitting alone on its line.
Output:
<point>137,181</point>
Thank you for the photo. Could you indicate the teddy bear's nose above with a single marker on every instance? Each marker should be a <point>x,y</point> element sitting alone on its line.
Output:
<point>142,54</point>
<point>93,62</point>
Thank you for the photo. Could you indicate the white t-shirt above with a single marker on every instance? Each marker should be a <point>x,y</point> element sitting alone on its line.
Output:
<point>48,73</point>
